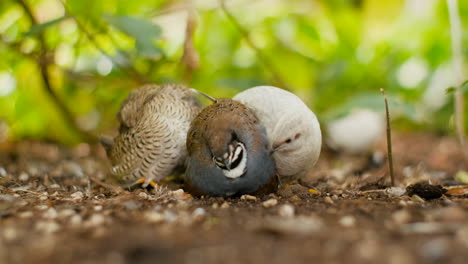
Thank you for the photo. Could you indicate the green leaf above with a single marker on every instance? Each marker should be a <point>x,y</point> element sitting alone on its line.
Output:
<point>144,33</point>
<point>39,28</point>
<point>463,88</point>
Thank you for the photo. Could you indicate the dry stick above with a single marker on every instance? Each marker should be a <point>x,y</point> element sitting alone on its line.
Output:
<point>389,138</point>
<point>267,63</point>
<point>190,56</point>
<point>457,62</point>
<point>129,70</point>
<point>44,64</point>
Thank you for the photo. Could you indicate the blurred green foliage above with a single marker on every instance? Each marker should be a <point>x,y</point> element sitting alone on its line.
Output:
<point>334,54</point>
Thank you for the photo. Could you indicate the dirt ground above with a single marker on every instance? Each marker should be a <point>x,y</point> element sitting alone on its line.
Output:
<point>55,209</point>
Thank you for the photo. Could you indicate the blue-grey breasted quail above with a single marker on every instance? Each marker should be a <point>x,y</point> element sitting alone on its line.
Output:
<point>292,128</point>
<point>228,152</point>
<point>154,121</point>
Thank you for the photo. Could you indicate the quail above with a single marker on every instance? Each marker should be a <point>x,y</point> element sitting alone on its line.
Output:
<point>154,121</point>
<point>292,128</point>
<point>228,152</point>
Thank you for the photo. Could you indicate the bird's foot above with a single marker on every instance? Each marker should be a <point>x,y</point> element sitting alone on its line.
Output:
<point>140,183</point>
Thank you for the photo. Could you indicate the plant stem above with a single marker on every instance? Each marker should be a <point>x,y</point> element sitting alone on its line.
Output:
<point>457,63</point>
<point>389,138</point>
<point>263,59</point>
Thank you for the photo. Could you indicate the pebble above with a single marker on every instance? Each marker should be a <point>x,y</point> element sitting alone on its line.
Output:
<point>98,208</point>
<point>23,176</point>
<point>300,225</point>
<point>153,217</point>
<point>401,217</point>
<point>286,210</point>
<point>225,205</point>
<point>54,186</point>
<point>51,213</point>
<point>179,194</point>
<point>462,235</point>
<point>77,196</point>
<point>10,233</point>
<point>199,213</point>
<point>76,220</point>
<point>43,198</point>
<point>395,191</point>
<point>248,197</point>
<point>435,249</point>
<point>66,213</point>
<point>270,203</point>
<point>95,220</point>
<point>26,214</point>
<point>347,221</point>
<point>143,195</point>
<point>328,200</point>
<point>3,172</point>
<point>47,226</point>
<point>215,206</point>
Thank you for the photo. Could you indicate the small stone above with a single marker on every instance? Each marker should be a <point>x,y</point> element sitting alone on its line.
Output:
<point>435,249</point>
<point>347,221</point>
<point>416,198</point>
<point>27,214</point>
<point>54,186</point>
<point>43,198</point>
<point>462,235</point>
<point>180,194</point>
<point>77,196</point>
<point>248,197</point>
<point>401,217</point>
<point>225,205</point>
<point>270,203</point>
<point>47,226</point>
<point>76,220</point>
<point>286,210</point>
<point>395,191</point>
<point>95,220</point>
<point>51,213</point>
<point>143,195</point>
<point>3,172</point>
<point>328,200</point>
<point>215,206</point>
<point>10,233</point>
<point>66,213</point>
<point>170,216</point>
<point>154,217</point>
<point>334,197</point>
<point>98,208</point>
<point>199,213</point>
<point>23,176</point>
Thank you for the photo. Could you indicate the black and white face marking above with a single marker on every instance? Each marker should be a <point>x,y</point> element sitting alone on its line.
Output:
<point>234,162</point>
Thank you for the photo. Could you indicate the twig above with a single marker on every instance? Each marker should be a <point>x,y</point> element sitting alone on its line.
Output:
<point>389,138</point>
<point>44,64</point>
<point>114,188</point>
<point>457,63</point>
<point>129,70</point>
<point>266,62</point>
<point>190,56</point>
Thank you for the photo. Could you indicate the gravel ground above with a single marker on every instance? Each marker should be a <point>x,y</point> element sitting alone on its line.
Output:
<point>55,208</point>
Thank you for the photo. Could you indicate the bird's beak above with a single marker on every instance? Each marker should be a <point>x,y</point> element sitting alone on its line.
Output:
<point>228,163</point>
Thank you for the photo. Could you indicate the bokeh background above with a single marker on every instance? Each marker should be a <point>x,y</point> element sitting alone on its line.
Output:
<point>66,65</point>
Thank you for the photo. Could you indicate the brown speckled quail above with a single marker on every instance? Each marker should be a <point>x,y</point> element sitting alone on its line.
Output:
<point>228,152</point>
<point>154,121</point>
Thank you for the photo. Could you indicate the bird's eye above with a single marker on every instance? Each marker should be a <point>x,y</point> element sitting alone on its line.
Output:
<point>297,135</point>
<point>288,141</point>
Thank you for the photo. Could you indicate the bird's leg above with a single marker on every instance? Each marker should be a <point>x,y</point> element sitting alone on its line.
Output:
<point>141,183</point>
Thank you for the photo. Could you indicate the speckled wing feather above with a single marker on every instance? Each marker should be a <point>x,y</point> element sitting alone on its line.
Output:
<point>154,125</point>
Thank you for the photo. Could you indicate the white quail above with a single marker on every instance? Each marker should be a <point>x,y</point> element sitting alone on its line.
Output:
<point>292,128</point>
